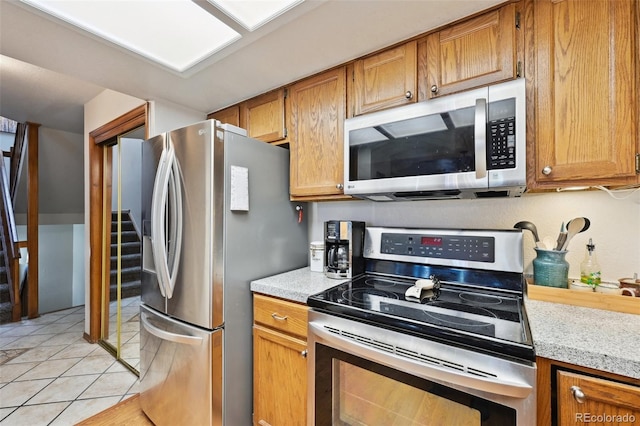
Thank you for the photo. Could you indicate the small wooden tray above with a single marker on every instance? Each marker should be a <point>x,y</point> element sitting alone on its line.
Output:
<point>588,299</point>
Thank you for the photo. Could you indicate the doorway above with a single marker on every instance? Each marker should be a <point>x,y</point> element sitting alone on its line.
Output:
<point>112,317</point>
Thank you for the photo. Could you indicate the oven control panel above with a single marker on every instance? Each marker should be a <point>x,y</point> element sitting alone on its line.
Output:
<point>456,247</point>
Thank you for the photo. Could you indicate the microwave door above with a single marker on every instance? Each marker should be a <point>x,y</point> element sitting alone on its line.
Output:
<point>432,147</point>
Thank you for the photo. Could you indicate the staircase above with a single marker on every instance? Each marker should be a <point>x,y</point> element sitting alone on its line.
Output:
<point>5,296</point>
<point>130,260</point>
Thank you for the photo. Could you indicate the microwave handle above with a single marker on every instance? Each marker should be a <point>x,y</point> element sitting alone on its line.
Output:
<point>480,136</point>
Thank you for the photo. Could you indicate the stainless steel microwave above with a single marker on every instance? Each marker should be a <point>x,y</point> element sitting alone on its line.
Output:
<point>465,145</point>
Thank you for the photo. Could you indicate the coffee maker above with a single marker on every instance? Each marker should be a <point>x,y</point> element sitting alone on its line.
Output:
<point>343,248</point>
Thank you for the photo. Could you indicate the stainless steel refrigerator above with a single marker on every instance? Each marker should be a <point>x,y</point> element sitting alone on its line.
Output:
<point>215,215</point>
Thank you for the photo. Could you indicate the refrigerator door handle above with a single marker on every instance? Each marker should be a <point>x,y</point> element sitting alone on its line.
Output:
<point>158,214</point>
<point>175,229</point>
<point>167,335</point>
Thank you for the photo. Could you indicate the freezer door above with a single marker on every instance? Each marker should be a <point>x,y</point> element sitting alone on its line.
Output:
<point>180,371</point>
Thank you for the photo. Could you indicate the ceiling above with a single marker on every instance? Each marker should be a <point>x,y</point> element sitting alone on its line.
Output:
<point>49,69</point>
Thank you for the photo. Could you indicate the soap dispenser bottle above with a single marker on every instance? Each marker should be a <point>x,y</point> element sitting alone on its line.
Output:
<point>589,268</point>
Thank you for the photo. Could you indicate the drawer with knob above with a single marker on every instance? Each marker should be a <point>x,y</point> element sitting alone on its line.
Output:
<point>281,315</point>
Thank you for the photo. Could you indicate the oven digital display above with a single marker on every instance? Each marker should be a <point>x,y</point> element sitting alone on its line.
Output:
<point>431,241</point>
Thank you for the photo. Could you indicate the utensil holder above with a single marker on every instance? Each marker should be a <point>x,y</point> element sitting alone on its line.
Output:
<point>550,268</point>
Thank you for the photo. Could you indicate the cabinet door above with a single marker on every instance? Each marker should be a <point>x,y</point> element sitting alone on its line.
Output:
<point>470,54</point>
<point>586,97</point>
<point>385,80</point>
<point>264,116</point>
<point>229,115</point>
<point>280,379</point>
<point>317,113</point>
<point>581,399</point>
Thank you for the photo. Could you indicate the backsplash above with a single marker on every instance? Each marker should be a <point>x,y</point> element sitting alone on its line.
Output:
<point>615,223</point>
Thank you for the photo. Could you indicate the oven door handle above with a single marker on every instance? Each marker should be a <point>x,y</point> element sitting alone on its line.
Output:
<point>428,372</point>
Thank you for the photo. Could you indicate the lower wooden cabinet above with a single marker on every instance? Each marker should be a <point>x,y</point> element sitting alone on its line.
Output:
<point>571,395</point>
<point>279,362</point>
<point>585,399</point>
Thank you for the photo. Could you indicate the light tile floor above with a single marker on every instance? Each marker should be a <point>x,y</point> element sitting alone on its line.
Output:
<point>50,375</point>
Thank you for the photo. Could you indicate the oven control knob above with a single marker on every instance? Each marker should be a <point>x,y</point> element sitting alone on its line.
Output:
<point>577,393</point>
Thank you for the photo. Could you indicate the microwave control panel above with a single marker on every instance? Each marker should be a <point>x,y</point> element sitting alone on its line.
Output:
<point>502,144</point>
<point>457,247</point>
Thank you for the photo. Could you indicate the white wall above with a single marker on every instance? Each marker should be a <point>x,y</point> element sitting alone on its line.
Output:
<point>130,166</point>
<point>61,266</point>
<point>615,224</point>
<point>166,116</point>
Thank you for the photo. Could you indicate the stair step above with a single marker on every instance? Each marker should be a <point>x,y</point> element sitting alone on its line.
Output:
<point>5,312</point>
<point>5,295</point>
<point>126,248</point>
<point>126,275</point>
<point>127,260</point>
<point>3,274</point>
<point>126,236</point>
<point>129,289</point>
<point>125,225</point>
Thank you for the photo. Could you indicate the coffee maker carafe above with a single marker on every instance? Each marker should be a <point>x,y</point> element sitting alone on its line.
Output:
<point>344,246</point>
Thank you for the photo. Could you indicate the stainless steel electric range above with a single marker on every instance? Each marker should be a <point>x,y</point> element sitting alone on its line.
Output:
<point>456,351</point>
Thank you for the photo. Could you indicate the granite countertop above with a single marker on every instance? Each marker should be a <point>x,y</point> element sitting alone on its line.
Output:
<point>296,285</point>
<point>593,338</point>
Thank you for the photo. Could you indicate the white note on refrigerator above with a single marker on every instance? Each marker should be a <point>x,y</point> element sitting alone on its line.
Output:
<point>239,189</point>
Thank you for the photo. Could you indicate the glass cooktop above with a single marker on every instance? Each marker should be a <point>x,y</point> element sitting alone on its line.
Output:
<point>482,318</point>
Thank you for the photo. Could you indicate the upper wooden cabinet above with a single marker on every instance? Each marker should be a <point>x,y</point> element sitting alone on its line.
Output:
<point>264,116</point>
<point>384,80</point>
<point>472,53</point>
<point>316,113</point>
<point>584,77</point>
<point>229,115</point>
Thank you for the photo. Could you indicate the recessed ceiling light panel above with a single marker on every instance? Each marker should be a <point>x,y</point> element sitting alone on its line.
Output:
<point>252,14</point>
<point>177,34</point>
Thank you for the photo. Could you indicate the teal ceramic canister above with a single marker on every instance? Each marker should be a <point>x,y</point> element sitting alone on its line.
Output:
<point>550,268</point>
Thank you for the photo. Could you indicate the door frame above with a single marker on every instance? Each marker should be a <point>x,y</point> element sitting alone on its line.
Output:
<point>99,188</point>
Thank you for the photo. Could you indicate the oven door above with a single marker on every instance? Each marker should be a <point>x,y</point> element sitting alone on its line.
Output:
<point>365,375</point>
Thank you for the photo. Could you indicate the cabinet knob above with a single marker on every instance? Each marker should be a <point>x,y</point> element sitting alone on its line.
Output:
<point>434,89</point>
<point>408,95</point>
<point>547,170</point>
<point>577,393</point>
<point>304,353</point>
<point>340,186</point>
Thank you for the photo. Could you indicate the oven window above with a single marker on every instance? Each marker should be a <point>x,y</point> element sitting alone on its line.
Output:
<point>353,391</point>
<point>427,145</point>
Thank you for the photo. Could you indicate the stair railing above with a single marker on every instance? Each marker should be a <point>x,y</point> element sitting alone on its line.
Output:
<point>11,243</point>
<point>17,159</point>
